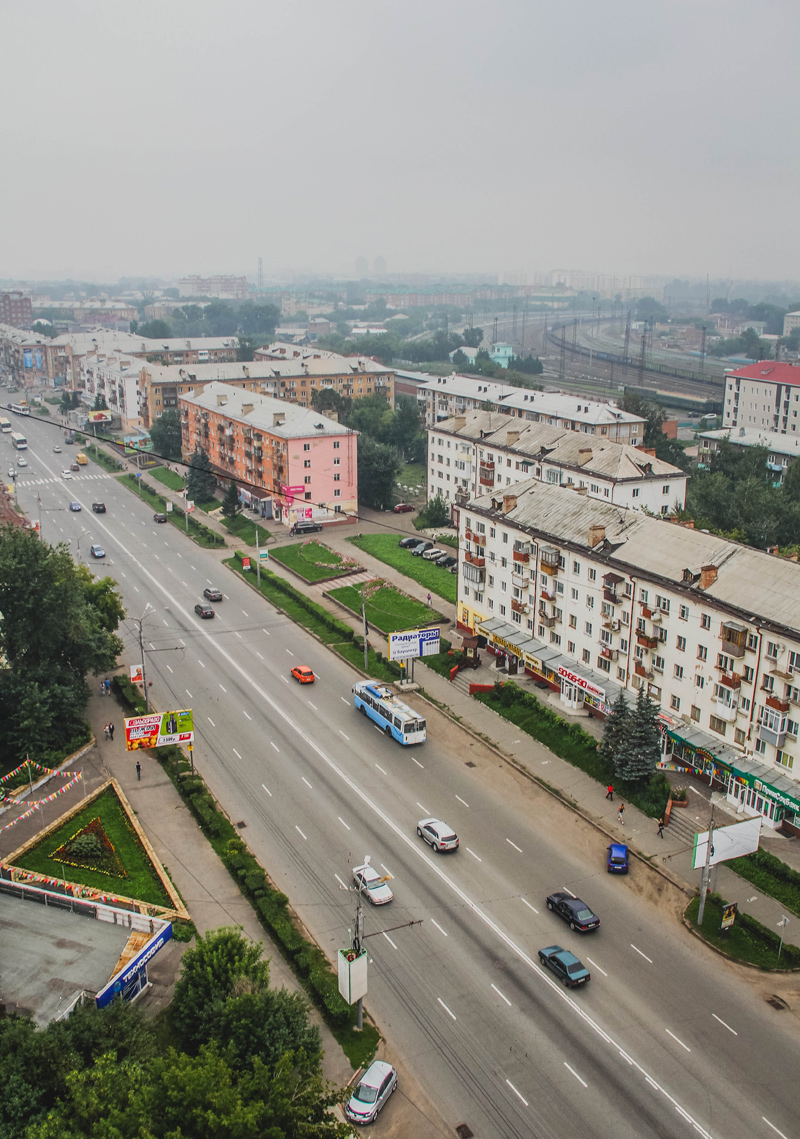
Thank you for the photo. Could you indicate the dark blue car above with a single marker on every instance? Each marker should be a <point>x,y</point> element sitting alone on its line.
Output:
<point>617,858</point>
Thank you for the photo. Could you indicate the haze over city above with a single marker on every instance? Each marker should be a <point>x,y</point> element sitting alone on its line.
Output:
<point>456,138</point>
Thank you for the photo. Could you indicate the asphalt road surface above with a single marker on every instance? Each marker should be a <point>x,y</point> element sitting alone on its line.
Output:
<point>666,1040</point>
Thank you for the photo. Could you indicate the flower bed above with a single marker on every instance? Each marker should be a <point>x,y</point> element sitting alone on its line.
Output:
<point>314,562</point>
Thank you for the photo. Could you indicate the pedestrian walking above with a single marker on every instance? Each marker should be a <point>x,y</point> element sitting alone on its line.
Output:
<point>106,732</point>
<point>620,813</point>
<point>138,771</point>
<point>661,828</point>
<point>111,731</point>
<point>429,600</point>
<point>610,792</point>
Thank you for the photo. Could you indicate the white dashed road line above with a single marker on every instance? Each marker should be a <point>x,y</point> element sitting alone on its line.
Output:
<point>267,790</point>
<point>380,768</point>
<point>461,800</point>
<point>675,1038</point>
<point>505,998</point>
<point>306,782</point>
<point>510,843</point>
<point>474,855</point>
<point>724,1025</point>
<point>386,935</point>
<point>274,745</point>
<point>530,907</point>
<point>516,1093</point>
<point>446,1009</point>
<point>341,820</point>
<point>641,954</point>
<point>596,966</point>
<point>434,922</point>
<point>297,828</point>
<point>575,1074</point>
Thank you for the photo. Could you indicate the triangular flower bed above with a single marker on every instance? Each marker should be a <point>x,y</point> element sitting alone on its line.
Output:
<point>90,848</point>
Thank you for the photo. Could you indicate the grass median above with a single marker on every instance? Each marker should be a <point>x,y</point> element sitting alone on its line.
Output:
<point>384,547</point>
<point>169,478</point>
<point>388,609</point>
<point>314,562</point>
<point>748,941</point>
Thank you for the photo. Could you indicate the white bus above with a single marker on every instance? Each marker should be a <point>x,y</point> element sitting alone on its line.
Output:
<point>395,718</point>
<point>19,441</point>
<point>5,424</point>
<point>20,409</point>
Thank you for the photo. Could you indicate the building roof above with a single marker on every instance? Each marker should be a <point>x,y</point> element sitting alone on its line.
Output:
<point>295,422</point>
<point>770,371</point>
<point>562,405</point>
<point>763,588</point>
<point>316,361</point>
<point>752,437</point>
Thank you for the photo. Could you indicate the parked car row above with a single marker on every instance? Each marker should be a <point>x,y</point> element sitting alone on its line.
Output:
<point>424,548</point>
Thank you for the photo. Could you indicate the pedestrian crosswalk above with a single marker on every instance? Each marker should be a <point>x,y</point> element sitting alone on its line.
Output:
<point>75,478</point>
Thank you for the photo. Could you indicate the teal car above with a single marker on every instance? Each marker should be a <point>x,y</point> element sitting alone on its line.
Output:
<point>565,965</point>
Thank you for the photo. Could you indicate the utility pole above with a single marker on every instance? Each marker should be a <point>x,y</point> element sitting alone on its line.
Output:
<point>703,350</point>
<point>562,358</point>
<point>642,358</point>
<point>358,937</point>
<point>258,558</point>
<point>705,875</point>
<point>139,622</point>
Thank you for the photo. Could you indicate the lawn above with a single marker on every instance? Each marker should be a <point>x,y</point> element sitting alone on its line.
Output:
<point>411,475</point>
<point>169,478</point>
<point>140,881</point>
<point>386,607</point>
<point>749,940</point>
<point>384,547</point>
<point>244,528</point>
<point>314,562</point>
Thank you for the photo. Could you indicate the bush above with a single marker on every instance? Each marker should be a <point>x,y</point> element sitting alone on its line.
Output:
<point>129,694</point>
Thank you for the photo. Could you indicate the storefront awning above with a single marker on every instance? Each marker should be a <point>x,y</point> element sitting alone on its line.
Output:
<point>768,782</point>
<point>507,637</point>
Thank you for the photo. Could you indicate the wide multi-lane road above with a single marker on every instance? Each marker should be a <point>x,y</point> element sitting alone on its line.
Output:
<point>666,1040</point>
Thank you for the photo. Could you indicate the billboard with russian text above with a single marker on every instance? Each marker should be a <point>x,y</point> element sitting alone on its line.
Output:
<point>159,729</point>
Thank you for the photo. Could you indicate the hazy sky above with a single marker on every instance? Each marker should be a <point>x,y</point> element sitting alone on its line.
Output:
<point>184,137</point>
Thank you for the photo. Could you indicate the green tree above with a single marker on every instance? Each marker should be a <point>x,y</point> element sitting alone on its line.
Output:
<point>258,320</point>
<point>405,424</point>
<point>165,433</point>
<point>155,330</point>
<point>472,337</point>
<point>200,483</point>
<point>459,359</point>
<point>640,749</point>
<point>648,308</point>
<point>436,512</point>
<point>246,348</point>
<point>262,1026</point>
<point>295,1100</point>
<point>231,505</point>
<point>99,403</point>
<point>615,730</point>
<point>378,467</point>
<point>371,416</point>
<point>326,399</point>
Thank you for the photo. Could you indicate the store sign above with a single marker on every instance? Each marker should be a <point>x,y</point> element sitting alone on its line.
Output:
<point>414,643</point>
<point>581,682</point>
<point>771,793</point>
<point>502,643</point>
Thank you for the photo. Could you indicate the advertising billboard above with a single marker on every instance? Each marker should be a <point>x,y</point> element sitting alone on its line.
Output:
<point>352,974</point>
<point>413,643</point>
<point>727,842</point>
<point>132,979</point>
<point>159,729</point>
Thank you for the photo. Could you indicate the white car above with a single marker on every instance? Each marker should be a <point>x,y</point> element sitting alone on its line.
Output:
<point>371,1092</point>
<point>66,474</point>
<point>366,877</point>
<point>56,450</point>
<point>431,555</point>
<point>22,461</point>
<point>437,834</point>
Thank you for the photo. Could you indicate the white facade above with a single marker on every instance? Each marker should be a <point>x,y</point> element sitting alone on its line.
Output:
<point>764,396</point>
<point>782,450</point>
<point>473,454</point>
<point>598,600</point>
<point>116,378</point>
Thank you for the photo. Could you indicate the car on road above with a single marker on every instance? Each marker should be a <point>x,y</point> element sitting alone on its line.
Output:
<point>68,441</point>
<point>303,673</point>
<point>159,517</point>
<point>432,555</point>
<point>447,561</point>
<point>420,548</point>
<point>56,450</point>
<point>212,594</point>
<point>408,543</point>
<point>12,474</point>
<point>97,551</point>
<point>404,508</point>
<point>565,965</point>
<point>22,461</point>
<point>66,474</point>
<point>74,467</point>
<point>204,611</point>
<point>99,507</point>
<point>617,858</point>
<point>75,507</point>
<point>371,1092</point>
<point>366,877</point>
<point>437,834</point>
<point>575,912</point>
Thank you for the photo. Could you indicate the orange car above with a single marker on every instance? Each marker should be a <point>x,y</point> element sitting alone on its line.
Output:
<point>303,673</point>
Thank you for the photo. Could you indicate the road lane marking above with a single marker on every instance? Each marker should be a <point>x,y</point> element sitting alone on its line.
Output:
<point>313,706</point>
<point>265,631</point>
<point>641,954</point>
<point>238,634</point>
<point>566,891</point>
<point>575,1074</point>
<point>258,654</point>
<point>510,843</point>
<point>674,1037</point>
<point>517,1094</point>
<point>274,745</point>
<point>297,828</point>
<point>200,663</point>
<point>461,800</point>
<point>235,752</point>
<point>418,763</point>
<point>289,651</point>
<point>597,967</point>
<point>168,667</point>
<point>188,693</point>
<point>377,729</point>
<point>245,613</point>
<point>446,1009</point>
<point>211,722</point>
<point>434,922</point>
<point>341,733</point>
<point>474,855</point>
<point>505,998</point>
<point>163,620</point>
<point>530,907</point>
<point>341,820</point>
<point>247,714</point>
<point>182,641</point>
<point>194,570</point>
<point>341,883</point>
<point>386,935</point>
<point>724,1025</point>
<point>380,768</point>
<point>285,681</point>
<point>267,790</point>
<point>388,871</point>
<point>426,813</point>
<point>343,700</point>
<point>774,1128</point>
<point>306,782</point>
<point>224,689</point>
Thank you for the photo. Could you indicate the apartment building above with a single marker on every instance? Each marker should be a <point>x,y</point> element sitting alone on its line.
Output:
<point>782,450</point>
<point>447,396</point>
<point>598,600</point>
<point>475,453</point>
<point>16,309</point>
<point>114,377</point>
<point>291,463</point>
<point>790,322</point>
<point>226,288</point>
<point>765,396</point>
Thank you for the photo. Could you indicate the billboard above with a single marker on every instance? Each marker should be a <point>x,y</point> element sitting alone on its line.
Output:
<point>131,979</point>
<point>728,842</point>
<point>413,643</point>
<point>352,974</point>
<point>159,729</point>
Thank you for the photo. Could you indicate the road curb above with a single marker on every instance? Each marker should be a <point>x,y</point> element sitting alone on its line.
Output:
<point>733,960</point>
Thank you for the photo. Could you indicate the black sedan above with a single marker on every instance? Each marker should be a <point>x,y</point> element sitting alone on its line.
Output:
<point>573,911</point>
<point>204,611</point>
<point>407,543</point>
<point>159,517</point>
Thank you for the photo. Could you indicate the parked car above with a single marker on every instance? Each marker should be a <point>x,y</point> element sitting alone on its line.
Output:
<point>573,911</point>
<point>408,543</point>
<point>22,461</point>
<point>404,508</point>
<point>447,561</point>
<point>99,507</point>
<point>617,858</point>
<point>565,965</point>
<point>75,507</point>
<point>371,1092</point>
<point>438,835</point>
<point>432,555</point>
<point>303,673</point>
<point>159,517</point>
<point>204,611</point>
<point>305,527</point>
<point>368,878</point>
<point>420,548</point>
<point>97,551</point>
<point>212,594</point>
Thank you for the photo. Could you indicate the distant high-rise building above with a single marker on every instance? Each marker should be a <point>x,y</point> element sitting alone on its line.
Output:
<point>16,309</point>
<point>228,288</point>
<point>362,267</point>
<point>380,267</point>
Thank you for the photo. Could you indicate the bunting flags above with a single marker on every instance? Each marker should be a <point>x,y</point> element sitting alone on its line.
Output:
<point>35,804</point>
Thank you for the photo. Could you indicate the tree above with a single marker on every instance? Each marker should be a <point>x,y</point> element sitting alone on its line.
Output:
<point>263,1026</point>
<point>201,483</point>
<point>472,337</point>
<point>246,348</point>
<point>615,730</point>
<point>436,512</point>
<point>648,308</point>
<point>640,751</point>
<point>371,416</point>
<point>405,425</point>
<point>230,502</point>
<point>326,399</point>
<point>155,330</point>
<point>165,433</point>
<point>530,365</point>
<point>459,359</point>
<point>99,403</point>
<point>378,466</point>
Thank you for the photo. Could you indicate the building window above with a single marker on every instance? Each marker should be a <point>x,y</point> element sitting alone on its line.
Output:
<point>635,492</point>
<point>748,674</point>
<point>306,462</point>
<point>586,656</point>
<point>684,613</point>
<point>502,610</point>
<point>695,713</point>
<point>336,462</point>
<point>761,747</point>
<point>573,621</point>
<point>680,644</point>
<point>587,628</point>
<point>675,703</point>
<point>307,479</point>
<point>643,596</point>
<point>699,682</point>
<point>571,648</point>
<point>336,446</point>
<point>592,575</point>
<point>716,725</point>
<point>739,736</point>
<point>590,603</point>
<point>678,672</point>
<point>306,446</point>
<point>702,652</point>
<point>574,594</point>
<point>665,490</point>
<point>576,567</point>
<point>705,621</point>
<point>784,759</point>
<point>337,478</point>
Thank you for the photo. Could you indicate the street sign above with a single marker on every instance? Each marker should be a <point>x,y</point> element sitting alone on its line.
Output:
<point>264,555</point>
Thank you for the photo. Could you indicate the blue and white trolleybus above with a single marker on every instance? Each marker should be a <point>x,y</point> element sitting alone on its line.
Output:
<point>395,718</point>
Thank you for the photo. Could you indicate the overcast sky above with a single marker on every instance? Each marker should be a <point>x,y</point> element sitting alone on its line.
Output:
<point>518,135</point>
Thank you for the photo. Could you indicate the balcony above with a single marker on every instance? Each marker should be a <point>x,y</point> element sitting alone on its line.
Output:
<point>610,595</point>
<point>731,680</point>
<point>611,623</point>
<point>646,641</point>
<point>726,709</point>
<point>518,606</point>
<point>520,581</point>
<point>609,653</point>
<point>548,622</point>
<point>777,704</point>
<point>549,560</point>
<point>486,474</point>
<point>521,557</point>
<point>548,592</point>
<point>475,559</point>
<point>642,670</point>
<point>733,637</point>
